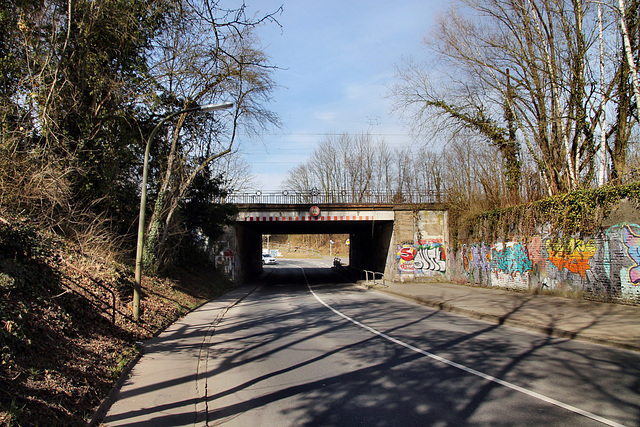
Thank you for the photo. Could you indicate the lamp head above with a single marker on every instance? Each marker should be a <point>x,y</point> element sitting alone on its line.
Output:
<point>211,107</point>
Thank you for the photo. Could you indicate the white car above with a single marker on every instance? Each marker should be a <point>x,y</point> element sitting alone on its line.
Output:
<point>268,259</point>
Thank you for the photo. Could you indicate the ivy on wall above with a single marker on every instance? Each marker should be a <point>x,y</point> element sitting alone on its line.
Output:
<point>567,214</point>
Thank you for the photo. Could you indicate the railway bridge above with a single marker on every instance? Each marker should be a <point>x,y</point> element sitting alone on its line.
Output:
<point>403,236</point>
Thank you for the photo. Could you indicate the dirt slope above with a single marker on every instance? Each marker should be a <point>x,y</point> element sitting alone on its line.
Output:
<point>66,330</point>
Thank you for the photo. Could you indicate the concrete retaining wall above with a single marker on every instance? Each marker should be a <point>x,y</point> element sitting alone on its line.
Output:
<point>604,266</point>
<point>418,245</point>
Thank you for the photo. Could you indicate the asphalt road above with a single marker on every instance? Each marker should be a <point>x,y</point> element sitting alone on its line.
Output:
<point>303,348</point>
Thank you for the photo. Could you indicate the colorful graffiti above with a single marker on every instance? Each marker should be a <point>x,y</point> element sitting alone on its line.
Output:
<point>631,242</point>
<point>407,253</point>
<point>480,257</point>
<point>537,255</point>
<point>431,259</point>
<point>604,265</point>
<point>573,255</point>
<point>465,257</point>
<point>512,259</point>
<point>422,257</point>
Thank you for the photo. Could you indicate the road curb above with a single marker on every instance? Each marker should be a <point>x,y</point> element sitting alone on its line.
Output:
<point>101,411</point>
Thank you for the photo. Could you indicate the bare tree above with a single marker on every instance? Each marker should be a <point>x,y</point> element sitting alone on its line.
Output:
<point>300,179</point>
<point>237,172</point>
<point>629,18</point>
<point>209,57</point>
<point>325,164</point>
<point>524,74</point>
<point>625,117</point>
<point>428,171</point>
<point>345,164</point>
<point>464,173</point>
<point>384,175</point>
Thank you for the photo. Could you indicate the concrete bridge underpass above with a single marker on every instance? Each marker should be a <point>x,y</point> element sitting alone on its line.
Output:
<point>403,237</point>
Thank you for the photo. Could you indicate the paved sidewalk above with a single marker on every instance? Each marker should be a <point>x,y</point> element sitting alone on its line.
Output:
<point>166,386</point>
<point>603,323</point>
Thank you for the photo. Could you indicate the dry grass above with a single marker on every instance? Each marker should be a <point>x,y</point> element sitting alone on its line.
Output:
<point>63,346</point>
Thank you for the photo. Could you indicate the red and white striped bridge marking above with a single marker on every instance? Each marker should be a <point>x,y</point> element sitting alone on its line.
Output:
<point>322,216</point>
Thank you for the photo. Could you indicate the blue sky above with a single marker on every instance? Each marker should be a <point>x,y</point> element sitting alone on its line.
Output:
<point>337,60</point>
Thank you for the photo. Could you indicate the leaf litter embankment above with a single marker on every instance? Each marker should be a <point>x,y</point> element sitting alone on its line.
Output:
<point>66,330</point>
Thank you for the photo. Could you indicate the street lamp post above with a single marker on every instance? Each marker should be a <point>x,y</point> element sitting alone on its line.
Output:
<point>143,198</point>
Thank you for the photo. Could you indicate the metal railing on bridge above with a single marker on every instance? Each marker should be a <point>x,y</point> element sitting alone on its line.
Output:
<point>287,197</point>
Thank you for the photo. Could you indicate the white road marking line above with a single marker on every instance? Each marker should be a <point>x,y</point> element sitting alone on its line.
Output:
<point>465,368</point>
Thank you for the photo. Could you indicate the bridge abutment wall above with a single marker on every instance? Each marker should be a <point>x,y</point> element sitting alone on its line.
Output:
<point>405,243</point>
<point>418,244</point>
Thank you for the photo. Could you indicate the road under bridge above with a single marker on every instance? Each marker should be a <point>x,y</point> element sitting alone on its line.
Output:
<point>404,238</point>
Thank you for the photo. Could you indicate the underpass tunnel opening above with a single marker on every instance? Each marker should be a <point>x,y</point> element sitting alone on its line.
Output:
<point>368,248</point>
<point>306,245</point>
<point>249,244</point>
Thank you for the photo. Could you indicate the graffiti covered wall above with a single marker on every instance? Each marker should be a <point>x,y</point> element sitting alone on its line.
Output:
<point>421,258</point>
<point>419,245</point>
<point>605,266</point>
